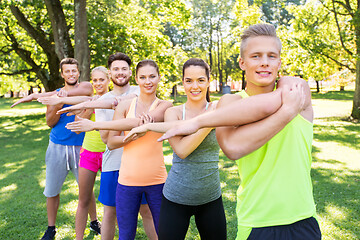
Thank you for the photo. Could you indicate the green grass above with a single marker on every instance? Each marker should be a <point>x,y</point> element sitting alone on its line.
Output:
<point>24,138</point>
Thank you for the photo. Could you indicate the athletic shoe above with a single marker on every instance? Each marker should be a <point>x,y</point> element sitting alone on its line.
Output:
<point>95,226</point>
<point>49,234</point>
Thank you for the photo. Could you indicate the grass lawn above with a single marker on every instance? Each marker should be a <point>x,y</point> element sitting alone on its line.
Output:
<point>24,139</point>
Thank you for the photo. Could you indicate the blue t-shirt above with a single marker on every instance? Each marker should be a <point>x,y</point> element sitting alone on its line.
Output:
<point>61,135</point>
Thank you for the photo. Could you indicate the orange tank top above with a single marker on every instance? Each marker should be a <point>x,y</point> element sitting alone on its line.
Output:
<point>142,162</point>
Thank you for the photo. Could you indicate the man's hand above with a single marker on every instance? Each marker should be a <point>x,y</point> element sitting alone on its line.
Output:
<point>62,93</point>
<point>293,99</point>
<point>72,110</point>
<point>22,100</point>
<point>53,100</point>
<point>82,125</point>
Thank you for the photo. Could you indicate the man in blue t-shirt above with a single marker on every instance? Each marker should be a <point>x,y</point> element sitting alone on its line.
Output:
<point>62,154</point>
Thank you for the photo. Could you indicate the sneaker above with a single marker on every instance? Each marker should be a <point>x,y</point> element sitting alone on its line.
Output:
<point>95,226</point>
<point>49,234</point>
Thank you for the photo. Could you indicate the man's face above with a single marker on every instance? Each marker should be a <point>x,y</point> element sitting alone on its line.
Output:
<point>261,61</point>
<point>70,73</point>
<point>120,73</point>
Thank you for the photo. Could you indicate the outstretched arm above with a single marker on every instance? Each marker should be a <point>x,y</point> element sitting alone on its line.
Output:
<point>237,142</point>
<point>109,103</point>
<point>241,111</point>
<point>33,96</point>
<point>54,100</point>
<point>84,89</point>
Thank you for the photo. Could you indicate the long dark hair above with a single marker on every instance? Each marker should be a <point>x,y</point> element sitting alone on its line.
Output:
<point>201,63</point>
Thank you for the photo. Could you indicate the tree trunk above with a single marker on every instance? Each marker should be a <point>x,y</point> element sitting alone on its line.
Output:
<point>317,86</point>
<point>82,50</point>
<point>63,47</point>
<point>355,113</point>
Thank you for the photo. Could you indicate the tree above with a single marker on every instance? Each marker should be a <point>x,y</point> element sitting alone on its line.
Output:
<point>26,26</point>
<point>330,31</point>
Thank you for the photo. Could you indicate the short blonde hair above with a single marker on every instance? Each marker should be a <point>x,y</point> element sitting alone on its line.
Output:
<point>257,30</point>
<point>101,69</point>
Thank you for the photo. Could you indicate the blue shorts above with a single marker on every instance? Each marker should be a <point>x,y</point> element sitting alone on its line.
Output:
<point>108,184</point>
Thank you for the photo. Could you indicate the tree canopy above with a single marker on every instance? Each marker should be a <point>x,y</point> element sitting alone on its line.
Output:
<point>320,37</point>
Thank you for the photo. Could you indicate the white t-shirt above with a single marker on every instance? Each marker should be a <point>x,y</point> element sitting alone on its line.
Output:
<point>112,159</point>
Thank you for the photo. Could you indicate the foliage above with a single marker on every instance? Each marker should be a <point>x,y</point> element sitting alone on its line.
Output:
<point>321,40</point>
<point>138,33</point>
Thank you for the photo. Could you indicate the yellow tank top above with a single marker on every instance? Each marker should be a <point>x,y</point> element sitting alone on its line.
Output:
<point>142,162</point>
<point>276,187</point>
<point>92,140</point>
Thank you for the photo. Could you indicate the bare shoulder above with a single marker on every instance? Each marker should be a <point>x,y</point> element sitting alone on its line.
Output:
<point>85,84</point>
<point>165,103</point>
<point>227,99</point>
<point>123,105</point>
<point>174,113</point>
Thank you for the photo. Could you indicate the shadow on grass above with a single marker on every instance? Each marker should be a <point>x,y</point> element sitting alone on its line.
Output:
<point>334,95</point>
<point>336,194</point>
<point>347,135</point>
<point>22,203</point>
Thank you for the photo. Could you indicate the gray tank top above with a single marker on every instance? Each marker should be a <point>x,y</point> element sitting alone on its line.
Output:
<point>195,180</point>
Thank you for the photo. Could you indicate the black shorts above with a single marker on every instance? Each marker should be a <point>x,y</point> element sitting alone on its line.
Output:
<point>304,229</point>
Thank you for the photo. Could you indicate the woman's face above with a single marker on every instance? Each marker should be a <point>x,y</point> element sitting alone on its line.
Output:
<point>147,78</point>
<point>195,82</point>
<point>100,82</point>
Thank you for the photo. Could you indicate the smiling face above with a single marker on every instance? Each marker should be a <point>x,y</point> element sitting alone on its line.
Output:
<point>195,82</point>
<point>100,82</point>
<point>70,73</point>
<point>120,73</point>
<point>147,77</point>
<point>261,62</point>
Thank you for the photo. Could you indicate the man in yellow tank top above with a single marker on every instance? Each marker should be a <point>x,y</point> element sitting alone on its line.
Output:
<point>275,199</point>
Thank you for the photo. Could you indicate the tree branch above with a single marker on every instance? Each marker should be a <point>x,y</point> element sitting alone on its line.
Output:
<point>38,35</point>
<point>339,30</point>
<point>18,72</point>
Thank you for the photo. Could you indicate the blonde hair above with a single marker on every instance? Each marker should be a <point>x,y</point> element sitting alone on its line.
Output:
<point>256,30</point>
<point>101,69</point>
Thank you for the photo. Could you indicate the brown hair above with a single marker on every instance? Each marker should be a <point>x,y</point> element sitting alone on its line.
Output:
<point>147,62</point>
<point>201,63</point>
<point>119,56</point>
<point>261,29</point>
<point>69,61</point>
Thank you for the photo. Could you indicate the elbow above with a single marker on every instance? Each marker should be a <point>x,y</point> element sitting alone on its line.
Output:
<point>232,153</point>
<point>180,153</point>
<point>110,145</point>
<point>231,150</point>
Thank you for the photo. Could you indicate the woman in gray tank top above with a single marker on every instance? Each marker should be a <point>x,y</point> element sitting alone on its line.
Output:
<point>193,183</point>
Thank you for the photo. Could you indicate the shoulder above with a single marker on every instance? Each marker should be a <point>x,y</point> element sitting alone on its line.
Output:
<point>228,99</point>
<point>107,95</point>
<point>124,105</point>
<point>174,112</point>
<point>85,85</point>
<point>164,103</point>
